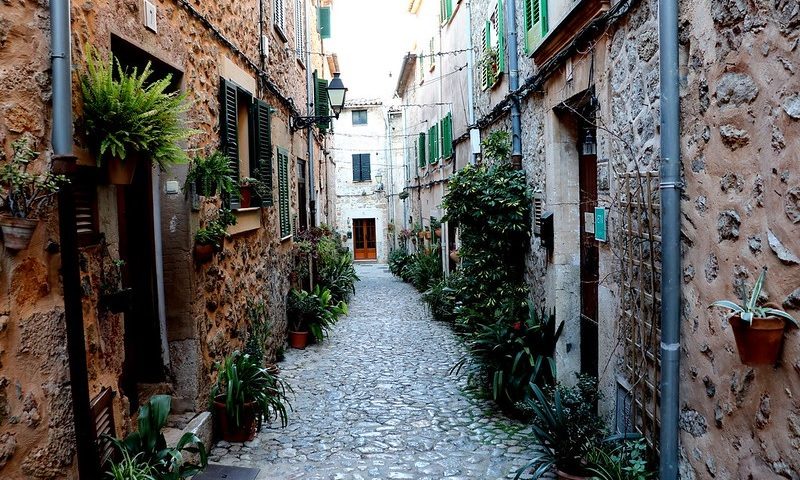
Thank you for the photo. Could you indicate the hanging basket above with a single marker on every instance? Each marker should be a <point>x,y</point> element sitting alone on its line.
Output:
<point>17,232</point>
<point>120,171</point>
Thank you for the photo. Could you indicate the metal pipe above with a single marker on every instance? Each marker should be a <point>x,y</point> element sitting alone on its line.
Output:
<point>406,166</point>
<point>670,187</point>
<point>64,162</point>
<point>470,80</point>
<point>312,195</point>
<point>513,83</point>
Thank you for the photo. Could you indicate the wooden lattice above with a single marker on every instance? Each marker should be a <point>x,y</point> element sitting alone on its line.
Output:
<point>640,297</point>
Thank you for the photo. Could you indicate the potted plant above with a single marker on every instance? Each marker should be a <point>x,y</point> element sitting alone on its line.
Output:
<point>403,195</point>
<point>24,196</point>
<point>208,240</point>
<point>567,428</point>
<point>436,225</point>
<point>211,175</point>
<point>758,330</point>
<point>145,451</point>
<point>244,395</point>
<point>489,64</point>
<point>112,295</point>
<point>247,187</point>
<point>312,312</point>
<point>128,116</point>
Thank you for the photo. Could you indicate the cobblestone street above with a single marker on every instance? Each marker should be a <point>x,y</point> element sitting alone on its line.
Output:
<point>375,401</point>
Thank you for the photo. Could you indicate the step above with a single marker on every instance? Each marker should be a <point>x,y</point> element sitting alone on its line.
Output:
<point>198,423</point>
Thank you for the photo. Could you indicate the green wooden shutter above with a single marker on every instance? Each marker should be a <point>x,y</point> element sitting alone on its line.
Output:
<point>434,137</point>
<point>356,167</point>
<point>321,103</point>
<point>324,20</point>
<point>263,130</point>
<point>501,36</point>
<point>229,131</point>
<point>543,17</point>
<point>366,173</point>
<point>486,71</point>
<point>447,135</point>
<point>421,153</point>
<point>535,23</point>
<point>283,193</point>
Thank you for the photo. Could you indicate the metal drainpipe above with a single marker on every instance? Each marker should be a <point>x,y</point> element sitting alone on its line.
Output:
<point>513,83</point>
<point>312,195</point>
<point>64,162</point>
<point>670,187</point>
<point>470,80</point>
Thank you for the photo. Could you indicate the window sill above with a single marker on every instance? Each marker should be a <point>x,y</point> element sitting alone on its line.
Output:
<point>280,32</point>
<point>247,219</point>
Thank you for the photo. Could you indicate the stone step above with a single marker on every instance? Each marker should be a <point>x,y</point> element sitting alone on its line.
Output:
<point>198,423</point>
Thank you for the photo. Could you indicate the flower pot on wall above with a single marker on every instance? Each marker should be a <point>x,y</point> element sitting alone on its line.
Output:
<point>438,232</point>
<point>246,196</point>
<point>226,426</point>
<point>203,253</point>
<point>760,343</point>
<point>17,232</point>
<point>298,340</point>
<point>120,172</point>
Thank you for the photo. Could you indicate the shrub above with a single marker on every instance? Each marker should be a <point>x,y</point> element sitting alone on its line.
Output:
<point>441,298</point>
<point>398,258</point>
<point>211,175</point>
<point>424,269</point>
<point>314,311</point>
<point>339,276</point>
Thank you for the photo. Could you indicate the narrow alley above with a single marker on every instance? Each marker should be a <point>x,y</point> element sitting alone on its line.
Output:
<point>375,401</point>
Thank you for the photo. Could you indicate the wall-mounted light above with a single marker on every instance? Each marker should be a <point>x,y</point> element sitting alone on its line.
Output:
<point>336,93</point>
<point>589,143</point>
<point>379,181</point>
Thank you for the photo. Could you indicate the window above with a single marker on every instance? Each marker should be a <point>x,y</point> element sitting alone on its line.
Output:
<point>445,10</point>
<point>493,54</point>
<point>432,54</point>
<point>361,167</point>
<point>300,30</point>
<point>359,117</point>
<point>283,193</point>
<point>535,17</point>
<point>279,17</point>
<point>324,21</point>
<point>421,149</point>
<point>446,132</point>
<point>246,139</point>
<point>433,144</point>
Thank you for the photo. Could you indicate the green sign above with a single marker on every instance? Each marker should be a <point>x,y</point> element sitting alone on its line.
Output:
<point>600,224</point>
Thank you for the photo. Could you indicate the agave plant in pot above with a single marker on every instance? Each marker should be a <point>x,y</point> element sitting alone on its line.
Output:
<point>131,117</point>
<point>24,196</point>
<point>245,395</point>
<point>301,307</point>
<point>758,330</point>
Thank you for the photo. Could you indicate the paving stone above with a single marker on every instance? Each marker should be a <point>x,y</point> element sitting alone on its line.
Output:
<point>375,401</point>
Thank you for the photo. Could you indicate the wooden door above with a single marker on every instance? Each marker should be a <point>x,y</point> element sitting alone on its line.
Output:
<point>364,244</point>
<point>590,260</point>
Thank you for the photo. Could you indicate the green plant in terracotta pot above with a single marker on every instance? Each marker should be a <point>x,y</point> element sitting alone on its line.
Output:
<point>25,196</point>
<point>758,329</point>
<point>245,395</point>
<point>129,116</point>
<point>211,175</point>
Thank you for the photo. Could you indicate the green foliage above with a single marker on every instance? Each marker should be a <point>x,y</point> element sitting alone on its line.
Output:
<point>211,175</point>
<point>148,445</point>
<point>339,276</point>
<point>241,380</point>
<point>441,298</point>
<point>751,309</point>
<point>626,460</point>
<point>398,258</point>
<point>25,194</point>
<point>491,204</point>
<point>314,311</point>
<point>127,112</point>
<point>424,269</point>
<point>129,468</point>
<point>216,229</point>
<point>258,332</point>
<point>566,426</point>
<point>497,145</point>
<point>513,357</point>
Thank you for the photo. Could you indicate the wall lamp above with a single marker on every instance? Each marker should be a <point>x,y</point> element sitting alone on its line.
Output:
<point>335,92</point>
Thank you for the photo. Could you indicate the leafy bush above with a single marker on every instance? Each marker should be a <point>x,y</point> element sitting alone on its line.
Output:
<point>398,258</point>
<point>621,460</point>
<point>126,112</point>
<point>24,194</point>
<point>339,276</point>
<point>211,175</point>
<point>441,298</point>
<point>258,331</point>
<point>566,426</point>
<point>148,446</point>
<point>241,380</point>
<point>423,269</point>
<point>129,468</point>
<point>512,357</point>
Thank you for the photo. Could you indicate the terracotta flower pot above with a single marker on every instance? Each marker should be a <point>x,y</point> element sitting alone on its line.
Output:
<point>438,232</point>
<point>226,426</point>
<point>246,196</point>
<point>298,340</point>
<point>566,476</point>
<point>120,172</point>
<point>203,253</point>
<point>17,232</point>
<point>421,234</point>
<point>762,342</point>
<point>454,255</point>
<point>427,234</point>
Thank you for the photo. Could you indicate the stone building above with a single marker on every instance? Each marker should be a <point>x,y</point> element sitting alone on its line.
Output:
<point>186,315</point>
<point>368,171</point>
<point>589,100</point>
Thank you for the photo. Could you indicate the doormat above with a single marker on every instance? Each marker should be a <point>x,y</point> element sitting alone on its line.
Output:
<point>225,472</point>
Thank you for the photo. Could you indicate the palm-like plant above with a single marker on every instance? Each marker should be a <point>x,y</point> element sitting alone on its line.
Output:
<point>751,309</point>
<point>339,276</point>
<point>315,311</point>
<point>241,381</point>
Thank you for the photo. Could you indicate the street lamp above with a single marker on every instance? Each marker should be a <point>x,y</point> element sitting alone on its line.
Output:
<point>335,95</point>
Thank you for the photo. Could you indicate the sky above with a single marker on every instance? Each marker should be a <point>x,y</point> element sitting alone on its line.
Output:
<point>370,39</point>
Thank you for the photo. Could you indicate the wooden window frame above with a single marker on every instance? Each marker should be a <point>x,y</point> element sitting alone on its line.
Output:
<point>279,18</point>
<point>358,174</point>
<point>359,123</point>
<point>284,194</point>
<point>300,34</point>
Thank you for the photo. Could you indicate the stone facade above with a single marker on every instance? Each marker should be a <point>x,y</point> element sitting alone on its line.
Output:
<point>203,306</point>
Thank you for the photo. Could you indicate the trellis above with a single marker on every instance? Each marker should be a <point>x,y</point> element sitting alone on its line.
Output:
<point>639,249</point>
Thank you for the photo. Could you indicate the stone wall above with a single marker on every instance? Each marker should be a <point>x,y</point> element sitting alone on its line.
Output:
<point>205,303</point>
